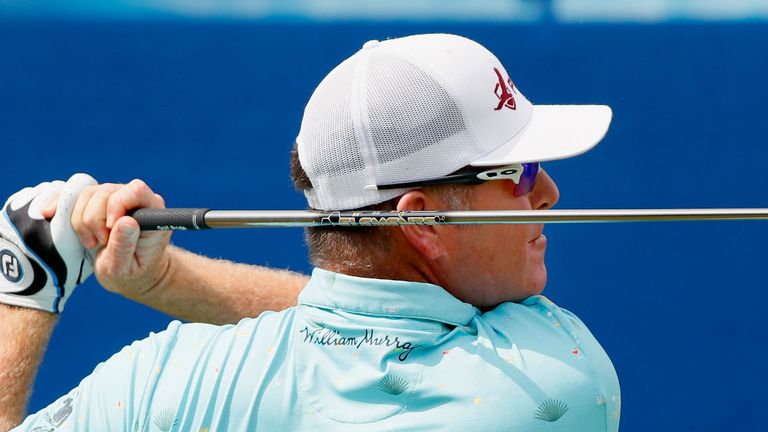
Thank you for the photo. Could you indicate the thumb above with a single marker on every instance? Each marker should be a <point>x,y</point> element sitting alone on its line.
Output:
<point>121,244</point>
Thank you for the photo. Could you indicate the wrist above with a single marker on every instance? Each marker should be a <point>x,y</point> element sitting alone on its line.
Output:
<point>166,267</point>
<point>40,303</point>
<point>142,284</point>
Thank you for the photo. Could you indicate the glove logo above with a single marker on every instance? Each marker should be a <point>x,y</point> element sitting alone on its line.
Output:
<point>11,269</point>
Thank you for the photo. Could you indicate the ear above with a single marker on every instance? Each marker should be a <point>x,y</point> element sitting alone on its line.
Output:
<point>424,238</point>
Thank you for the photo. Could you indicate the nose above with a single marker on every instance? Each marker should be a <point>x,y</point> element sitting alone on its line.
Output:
<point>545,194</point>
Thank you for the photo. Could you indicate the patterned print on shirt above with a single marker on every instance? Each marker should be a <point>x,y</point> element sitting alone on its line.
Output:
<point>58,416</point>
<point>165,419</point>
<point>551,410</point>
<point>393,384</point>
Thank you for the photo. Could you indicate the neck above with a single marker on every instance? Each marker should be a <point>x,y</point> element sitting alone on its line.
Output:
<point>398,262</point>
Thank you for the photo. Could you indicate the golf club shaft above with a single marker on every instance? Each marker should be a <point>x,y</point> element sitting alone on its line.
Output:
<point>196,219</point>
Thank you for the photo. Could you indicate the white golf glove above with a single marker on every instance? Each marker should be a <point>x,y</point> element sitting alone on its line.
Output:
<point>41,262</point>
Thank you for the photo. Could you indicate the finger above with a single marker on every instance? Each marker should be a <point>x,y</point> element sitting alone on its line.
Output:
<point>49,210</point>
<point>64,237</point>
<point>118,255</point>
<point>135,194</point>
<point>43,199</point>
<point>87,239</point>
<point>16,195</point>
<point>24,196</point>
<point>85,219</point>
<point>159,201</point>
<point>95,214</point>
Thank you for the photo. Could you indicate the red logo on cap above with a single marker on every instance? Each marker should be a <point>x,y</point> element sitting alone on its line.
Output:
<point>504,92</point>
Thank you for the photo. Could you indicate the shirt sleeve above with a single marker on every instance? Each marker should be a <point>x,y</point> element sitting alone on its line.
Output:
<point>116,393</point>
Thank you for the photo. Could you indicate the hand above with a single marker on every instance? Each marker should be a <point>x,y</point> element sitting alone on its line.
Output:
<point>128,262</point>
<point>41,259</point>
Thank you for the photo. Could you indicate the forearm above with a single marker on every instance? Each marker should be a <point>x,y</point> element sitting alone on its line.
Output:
<point>23,339</point>
<point>197,288</point>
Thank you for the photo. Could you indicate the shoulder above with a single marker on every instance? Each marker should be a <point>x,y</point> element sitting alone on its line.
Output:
<point>534,314</point>
<point>194,339</point>
<point>187,364</point>
<point>190,343</point>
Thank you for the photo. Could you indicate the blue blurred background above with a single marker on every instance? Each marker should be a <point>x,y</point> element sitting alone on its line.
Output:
<point>203,99</point>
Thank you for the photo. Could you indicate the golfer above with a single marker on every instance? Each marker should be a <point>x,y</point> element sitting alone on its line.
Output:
<point>398,328</point>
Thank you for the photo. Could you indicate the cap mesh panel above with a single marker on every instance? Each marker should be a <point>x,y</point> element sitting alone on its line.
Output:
<point>411,128</point>
<point>408,110</point>
<point>329,142</point>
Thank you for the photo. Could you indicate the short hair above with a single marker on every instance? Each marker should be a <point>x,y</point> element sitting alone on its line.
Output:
<point>358,249</point>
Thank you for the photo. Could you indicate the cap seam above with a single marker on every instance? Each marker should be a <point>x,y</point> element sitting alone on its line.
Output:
<point>361,126</point>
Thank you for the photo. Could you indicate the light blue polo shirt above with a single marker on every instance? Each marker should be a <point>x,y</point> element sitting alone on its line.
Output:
<point>355,354</point>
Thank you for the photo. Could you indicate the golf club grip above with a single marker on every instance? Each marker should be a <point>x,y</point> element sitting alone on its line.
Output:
<point>177,219</point>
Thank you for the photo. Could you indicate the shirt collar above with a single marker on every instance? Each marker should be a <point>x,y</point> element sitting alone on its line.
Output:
<point>384,297</point>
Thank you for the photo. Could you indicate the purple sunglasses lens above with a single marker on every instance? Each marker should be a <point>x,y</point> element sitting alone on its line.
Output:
<point>527,179</point>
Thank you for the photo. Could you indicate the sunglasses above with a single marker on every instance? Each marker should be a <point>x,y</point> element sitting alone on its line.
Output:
<point>522,174</point>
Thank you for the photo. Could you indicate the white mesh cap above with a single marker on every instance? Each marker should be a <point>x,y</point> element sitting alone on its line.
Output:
<point>425,106</point>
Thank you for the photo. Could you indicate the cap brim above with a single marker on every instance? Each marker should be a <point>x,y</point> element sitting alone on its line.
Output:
<point>554,132</point>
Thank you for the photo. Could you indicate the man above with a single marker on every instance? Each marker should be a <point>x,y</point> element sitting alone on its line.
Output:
<point>416,327</point>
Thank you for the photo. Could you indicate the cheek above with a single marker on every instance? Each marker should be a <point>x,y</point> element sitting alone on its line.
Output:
<point>505,248</point>
<point>510,271</point>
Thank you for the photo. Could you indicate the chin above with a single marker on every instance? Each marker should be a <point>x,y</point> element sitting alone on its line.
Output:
<point>539,282</point>
<point>530,290</point>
